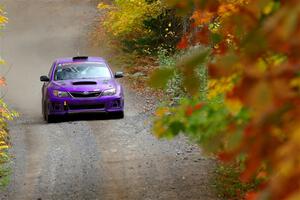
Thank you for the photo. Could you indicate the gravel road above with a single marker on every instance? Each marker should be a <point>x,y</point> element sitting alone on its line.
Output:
<point>85,157</point>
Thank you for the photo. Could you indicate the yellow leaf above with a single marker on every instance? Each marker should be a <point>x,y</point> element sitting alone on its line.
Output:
<point>234,106</point>
<point>4,147</point>
<point>295,196</point>
<point>268,8</point>
<point>103,6</point>
<point>161,111</point>
<point>2,62</point>
<point>3,19</point>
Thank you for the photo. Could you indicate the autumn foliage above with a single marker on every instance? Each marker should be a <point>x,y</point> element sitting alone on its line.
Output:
<point>5,115</point>
<point>257,43</point>
<point>140,26</point>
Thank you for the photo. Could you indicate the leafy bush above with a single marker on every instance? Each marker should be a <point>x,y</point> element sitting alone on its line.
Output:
<point>228,184</point>
<point>164,32</point>
<point>142,26</point>
<point>211,119</point>
<point>126,18</point>
<point>253,40</point>
<point>174,88</point>
<point>5,115</point>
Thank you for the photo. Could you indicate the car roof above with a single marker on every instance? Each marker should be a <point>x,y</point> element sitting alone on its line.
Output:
<point>81,59</point>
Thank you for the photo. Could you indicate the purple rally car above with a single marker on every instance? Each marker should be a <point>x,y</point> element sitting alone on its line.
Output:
<point>81,85</point>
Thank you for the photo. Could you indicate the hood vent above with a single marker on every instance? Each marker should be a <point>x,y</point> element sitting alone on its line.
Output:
<point>85,83</point>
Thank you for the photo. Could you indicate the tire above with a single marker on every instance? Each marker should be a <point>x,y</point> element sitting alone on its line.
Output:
<point>44,111</point>
<point>48,118</point>
<point>44,115</point>
<point>119,115</point>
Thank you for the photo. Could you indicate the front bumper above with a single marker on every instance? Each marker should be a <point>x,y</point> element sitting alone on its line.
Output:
<point>104,104</point>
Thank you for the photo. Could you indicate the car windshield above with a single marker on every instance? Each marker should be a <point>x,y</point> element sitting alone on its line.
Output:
<point>71,71</point>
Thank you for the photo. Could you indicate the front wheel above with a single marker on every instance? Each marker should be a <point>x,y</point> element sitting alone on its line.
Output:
<point>118,115</point>
<point>47,117</point>
<point>50,118</point>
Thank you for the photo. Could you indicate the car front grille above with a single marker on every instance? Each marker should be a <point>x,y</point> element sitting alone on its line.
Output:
<point>86,107</point>
<point>85,94</point>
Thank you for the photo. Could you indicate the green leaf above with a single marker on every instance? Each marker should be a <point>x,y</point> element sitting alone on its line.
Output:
<point>216,38</point>
<point>160,77</point>
<point>188,67</point>
<point>194,59</point>
<point>176,127</point>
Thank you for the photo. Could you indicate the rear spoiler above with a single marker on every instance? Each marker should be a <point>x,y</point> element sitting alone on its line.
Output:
<point>80,58</point>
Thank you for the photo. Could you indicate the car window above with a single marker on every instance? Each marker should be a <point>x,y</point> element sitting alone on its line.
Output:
<point>69,71</point>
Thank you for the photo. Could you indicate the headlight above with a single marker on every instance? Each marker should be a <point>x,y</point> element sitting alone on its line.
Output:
<point>109,92</point>
<point>58,93</point>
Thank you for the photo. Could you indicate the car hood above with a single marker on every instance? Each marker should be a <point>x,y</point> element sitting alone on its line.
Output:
<point>85,85</point>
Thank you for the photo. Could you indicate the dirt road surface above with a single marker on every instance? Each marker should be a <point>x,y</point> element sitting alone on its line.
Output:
<point>83,158</point>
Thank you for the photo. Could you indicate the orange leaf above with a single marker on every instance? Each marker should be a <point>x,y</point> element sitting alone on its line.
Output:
<point>198,106</point>
<point>2,81</point>
<point>202,17</point>
<point>225,156</point>
<point>251,196</point>
<point>189,111</point>
<point>183,44</point>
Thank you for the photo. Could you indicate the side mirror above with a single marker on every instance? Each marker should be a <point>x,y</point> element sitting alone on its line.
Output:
<point>119,75</point>
<point>44,79</point>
